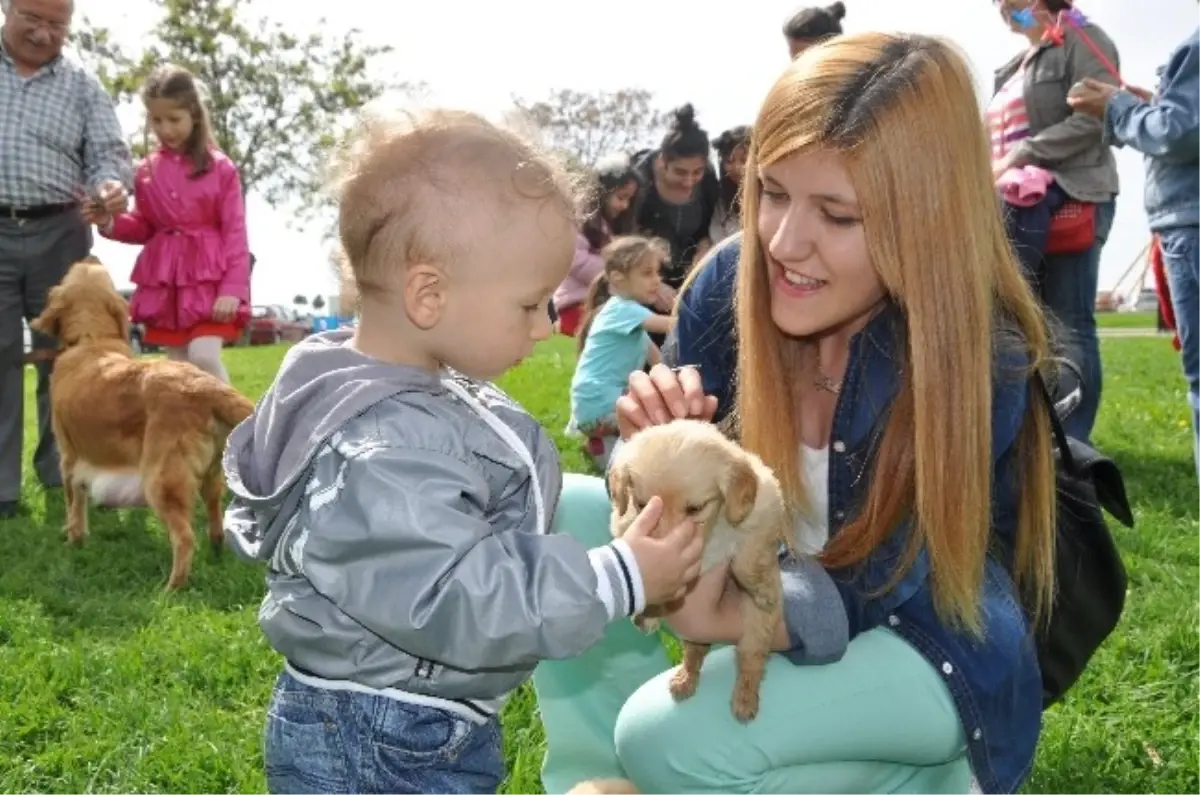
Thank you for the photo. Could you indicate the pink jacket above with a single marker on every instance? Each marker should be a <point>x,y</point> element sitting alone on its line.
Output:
<point>1024,187</point>
<point>586,266</point>
<point>193,233</point>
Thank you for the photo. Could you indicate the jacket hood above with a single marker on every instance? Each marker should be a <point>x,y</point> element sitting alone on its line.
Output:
<point>322,384</point>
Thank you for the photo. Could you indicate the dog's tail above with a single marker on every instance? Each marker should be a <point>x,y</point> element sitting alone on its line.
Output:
<point>604,786</point>
<point>229,406</point>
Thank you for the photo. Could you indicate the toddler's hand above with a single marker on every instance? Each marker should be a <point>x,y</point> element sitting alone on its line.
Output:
<point>668,564</point>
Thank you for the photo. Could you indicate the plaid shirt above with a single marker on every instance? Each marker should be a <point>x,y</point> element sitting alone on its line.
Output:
<point>58,133</point>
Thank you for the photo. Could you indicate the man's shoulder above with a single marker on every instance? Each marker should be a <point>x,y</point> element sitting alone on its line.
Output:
<point>72,69</point>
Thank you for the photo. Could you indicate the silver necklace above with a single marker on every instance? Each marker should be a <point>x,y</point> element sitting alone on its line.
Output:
<point>826,383</point>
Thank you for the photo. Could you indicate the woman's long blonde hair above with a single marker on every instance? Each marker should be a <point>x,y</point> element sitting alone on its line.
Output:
<point>902,112</point>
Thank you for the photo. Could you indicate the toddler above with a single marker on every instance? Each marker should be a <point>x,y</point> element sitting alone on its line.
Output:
<point>192,277</point>
<point>614,337</point>
<point>401,502</point>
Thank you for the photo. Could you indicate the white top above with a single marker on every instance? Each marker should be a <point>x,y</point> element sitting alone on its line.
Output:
<point>812,527</point>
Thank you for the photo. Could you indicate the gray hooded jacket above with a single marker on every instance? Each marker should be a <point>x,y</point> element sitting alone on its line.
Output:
<point>402,517</point>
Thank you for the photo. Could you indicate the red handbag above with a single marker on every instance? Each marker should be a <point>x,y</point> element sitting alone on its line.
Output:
<point>1072,228</point>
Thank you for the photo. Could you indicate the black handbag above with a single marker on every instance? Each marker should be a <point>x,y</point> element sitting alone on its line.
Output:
<point>1091,578</point>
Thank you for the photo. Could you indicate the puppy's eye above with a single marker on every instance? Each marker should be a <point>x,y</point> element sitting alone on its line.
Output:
<point>638,505</point>
<point>694,510</point>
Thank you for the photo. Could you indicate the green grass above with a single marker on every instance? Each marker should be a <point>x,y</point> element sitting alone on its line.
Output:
<point>108,685</point>
<point>1124,320</point>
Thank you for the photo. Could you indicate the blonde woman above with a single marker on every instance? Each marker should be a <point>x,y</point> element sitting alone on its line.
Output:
<point>885,342</point>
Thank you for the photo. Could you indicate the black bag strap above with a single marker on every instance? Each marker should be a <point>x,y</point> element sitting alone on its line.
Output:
<point>1060,433</point>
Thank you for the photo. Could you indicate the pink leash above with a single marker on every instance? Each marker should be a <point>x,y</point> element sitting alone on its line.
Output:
<point>1091,45</point>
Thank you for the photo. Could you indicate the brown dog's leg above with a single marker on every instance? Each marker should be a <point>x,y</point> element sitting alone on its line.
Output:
<point>211,490</point>
<point>170,494</point>
<point>756,570</point>
<point>683,684</point>
<point>75,497</point>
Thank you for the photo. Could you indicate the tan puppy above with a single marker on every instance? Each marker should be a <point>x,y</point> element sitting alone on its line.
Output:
<point>735,498</point>
<point>604,786</point>
<point>147,429</point>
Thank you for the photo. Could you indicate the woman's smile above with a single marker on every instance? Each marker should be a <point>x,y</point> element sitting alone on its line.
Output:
<point>793,284</point>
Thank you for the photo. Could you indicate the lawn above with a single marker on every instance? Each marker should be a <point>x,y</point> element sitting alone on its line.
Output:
<point>108,685</point>
<point>1125,320</point>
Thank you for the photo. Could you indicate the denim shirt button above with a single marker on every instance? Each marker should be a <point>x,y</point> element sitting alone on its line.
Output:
<point>839,515</point>
<point>839,446</point>
<point>947,668</point>
<point>893,621</point>
<point>977,734</point>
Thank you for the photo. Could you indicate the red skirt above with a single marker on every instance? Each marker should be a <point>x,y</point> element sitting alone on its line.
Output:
<point>569,319</point>
<point>162,338</point>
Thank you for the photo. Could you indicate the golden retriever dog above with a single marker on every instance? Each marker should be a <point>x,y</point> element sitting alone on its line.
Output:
<point>153,430</point>
<point>736,500</point>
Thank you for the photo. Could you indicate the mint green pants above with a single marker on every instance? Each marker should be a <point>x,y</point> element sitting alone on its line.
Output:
<point>878,720</point>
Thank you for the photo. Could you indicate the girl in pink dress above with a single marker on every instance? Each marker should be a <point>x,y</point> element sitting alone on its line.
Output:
<point>192,277</point>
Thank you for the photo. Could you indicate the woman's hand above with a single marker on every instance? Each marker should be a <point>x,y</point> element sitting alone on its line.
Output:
<point>1090,97</point>
<point>711,610</point>
<point>661,396</point>
<point>225,308</point>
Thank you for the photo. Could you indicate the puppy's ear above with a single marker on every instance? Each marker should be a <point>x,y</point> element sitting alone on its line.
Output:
<point>739,486</point>
<point>47,322</point>
<point>618,485</point>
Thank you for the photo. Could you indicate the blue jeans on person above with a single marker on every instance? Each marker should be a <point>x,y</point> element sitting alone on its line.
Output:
<point>345,741</point>
<point>1181,261</point>
<point>1068,291</point>
<point>1028,230</point>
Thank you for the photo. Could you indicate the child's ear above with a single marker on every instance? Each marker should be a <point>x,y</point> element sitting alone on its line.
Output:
<point>424,295</point>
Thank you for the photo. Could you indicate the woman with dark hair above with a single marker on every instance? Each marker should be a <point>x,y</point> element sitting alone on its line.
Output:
<point>810,26</point>
<point>1034,124</point>
<point>614,188</point>
<point>732,147</point>
<point>678,197</point>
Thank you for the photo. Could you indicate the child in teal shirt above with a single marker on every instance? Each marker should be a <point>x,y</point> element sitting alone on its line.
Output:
<point>614,338</point>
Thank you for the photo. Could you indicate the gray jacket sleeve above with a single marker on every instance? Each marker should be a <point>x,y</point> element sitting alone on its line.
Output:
<point>813,612</point>
<point>1078,132</point>
<point>406,550</point>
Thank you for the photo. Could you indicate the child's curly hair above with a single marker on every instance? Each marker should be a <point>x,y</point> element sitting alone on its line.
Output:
<point>408,186</point>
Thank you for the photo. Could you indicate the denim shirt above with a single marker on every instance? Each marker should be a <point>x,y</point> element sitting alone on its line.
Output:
<point>1167,132</point>
<point>994,680</point>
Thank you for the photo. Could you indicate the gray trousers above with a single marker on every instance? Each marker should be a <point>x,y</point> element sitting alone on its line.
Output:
<point>34,255</point>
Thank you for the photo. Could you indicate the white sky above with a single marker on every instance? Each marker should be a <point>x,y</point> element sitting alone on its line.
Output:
<point>721,56</point>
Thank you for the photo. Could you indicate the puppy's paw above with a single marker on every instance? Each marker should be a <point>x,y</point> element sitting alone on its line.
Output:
<point>73,536</point>
<point>647,625</point>
<point>683,684</point>
<point>745,702</point>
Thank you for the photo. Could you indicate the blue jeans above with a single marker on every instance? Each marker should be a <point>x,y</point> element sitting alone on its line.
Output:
<point>1181,261</point>
<point>1068,290</point>
<point>1029,227</point>
<point>337,741</point>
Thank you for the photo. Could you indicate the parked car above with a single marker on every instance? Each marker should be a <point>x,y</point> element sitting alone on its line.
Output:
<point>274,323</point>
<point>136,330</point>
